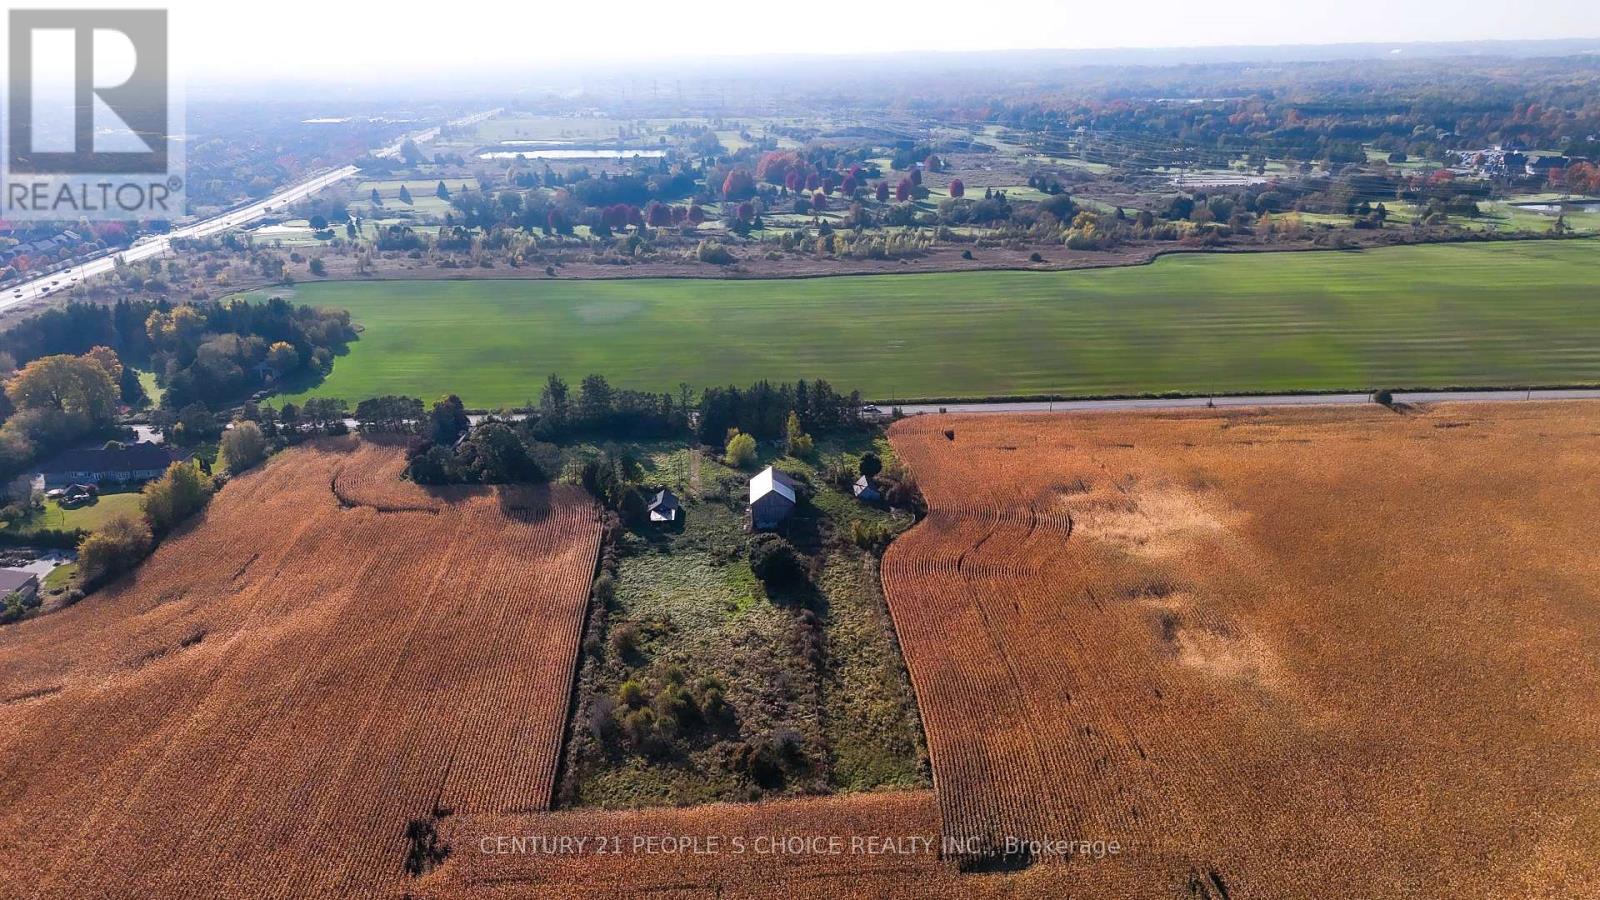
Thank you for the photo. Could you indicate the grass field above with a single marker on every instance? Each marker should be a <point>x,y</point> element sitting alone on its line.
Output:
<point>87,517</point>
<point>1490,314</point>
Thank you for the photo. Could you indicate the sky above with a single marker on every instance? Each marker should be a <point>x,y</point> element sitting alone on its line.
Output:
<point>253,41</point>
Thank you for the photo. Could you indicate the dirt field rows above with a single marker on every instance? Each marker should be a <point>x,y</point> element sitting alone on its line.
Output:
<point>289,686</point>
<point>1280,653</point>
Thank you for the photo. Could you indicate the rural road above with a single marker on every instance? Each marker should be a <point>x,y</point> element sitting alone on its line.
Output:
<point>156,245</point>
<point>917,409</point>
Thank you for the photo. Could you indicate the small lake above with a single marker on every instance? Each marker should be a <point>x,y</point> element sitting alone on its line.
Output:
<point>568,153</point>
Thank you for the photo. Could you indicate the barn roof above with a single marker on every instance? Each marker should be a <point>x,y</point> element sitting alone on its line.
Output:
<point>768,481</point>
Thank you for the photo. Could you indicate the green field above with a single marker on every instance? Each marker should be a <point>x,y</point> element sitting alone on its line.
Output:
<point>1441,315</point>
<point>87,517</point>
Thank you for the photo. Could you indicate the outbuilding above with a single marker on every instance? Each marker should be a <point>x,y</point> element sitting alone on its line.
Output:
<point>865,490</point>
<point>664,507</point>
<point>772,498</point>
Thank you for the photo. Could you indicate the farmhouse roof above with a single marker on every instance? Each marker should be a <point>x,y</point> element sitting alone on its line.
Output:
<point>143,455</point>
<point>769,481</point>
<point>14,580</point>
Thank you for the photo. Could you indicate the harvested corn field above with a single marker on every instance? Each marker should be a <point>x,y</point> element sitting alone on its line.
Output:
<point>1271,653</point>
<point>295,692</point>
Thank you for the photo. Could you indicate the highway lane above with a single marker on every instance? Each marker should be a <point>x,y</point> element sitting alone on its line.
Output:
<point>64,280</point>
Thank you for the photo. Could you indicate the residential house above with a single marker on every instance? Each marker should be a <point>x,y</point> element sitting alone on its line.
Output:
<point>20,582</point>
<point>112,464</point>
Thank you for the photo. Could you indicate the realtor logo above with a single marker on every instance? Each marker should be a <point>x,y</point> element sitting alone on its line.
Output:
<point>89,116</point>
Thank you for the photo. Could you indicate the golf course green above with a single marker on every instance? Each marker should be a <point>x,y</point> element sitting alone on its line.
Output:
<point>1441,315</point>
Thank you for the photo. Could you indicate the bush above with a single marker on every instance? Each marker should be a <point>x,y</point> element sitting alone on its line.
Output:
<point>114,548</point>
<point>243,446</point>
<point>714,253</point>
<point>741,450</point>
<point>774,560</point>
<point>1384,396</point>
<point>631,694</point>
<point>625,641</point>
<point>175,496</point>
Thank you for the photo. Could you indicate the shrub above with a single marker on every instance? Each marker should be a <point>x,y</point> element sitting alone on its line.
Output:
<point>631,694</point>
<point>243,446</point>
<point>714,253</point>
<point>774,560</point>
<point>870,465</point>
<point>112,549</point>
<point>625,641</point>
<point>1384,396</point>
<point>741,450</point>
<point>175,496</point>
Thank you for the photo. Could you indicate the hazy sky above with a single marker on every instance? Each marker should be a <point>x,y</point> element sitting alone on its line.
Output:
<point>345,39</point>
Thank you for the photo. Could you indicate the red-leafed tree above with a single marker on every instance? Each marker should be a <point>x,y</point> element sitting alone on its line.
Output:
<point>916,175</point>
<point>902,191</point>
<point>747,211</point>
<point>828,184</point>
<point>882,192</point>
<point>812,181</point>
<point>739,185</point>
<point>848,187</point>
<point>658,215</point>
<point>793,181</point>
<point>957,188</point>
<point>697,214</point>
<point>635,216</point>
<point>775,165</point>
<point>679,215</point>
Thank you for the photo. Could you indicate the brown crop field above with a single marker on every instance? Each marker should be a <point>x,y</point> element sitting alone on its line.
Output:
<point>1271,653</point>
<point>294,692</point>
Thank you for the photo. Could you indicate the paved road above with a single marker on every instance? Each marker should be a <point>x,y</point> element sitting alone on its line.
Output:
<point>915,409</point>
<point>66,279</point>
<point>57,282</point>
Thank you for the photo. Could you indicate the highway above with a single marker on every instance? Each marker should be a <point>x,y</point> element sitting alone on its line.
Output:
<point>65,279</point>
<point>917,409</point>
<point>155,245</point>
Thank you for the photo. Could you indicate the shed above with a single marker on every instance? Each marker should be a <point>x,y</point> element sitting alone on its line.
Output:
<point>664,507</point>
<point>772,498</point>
<point>865,490</point>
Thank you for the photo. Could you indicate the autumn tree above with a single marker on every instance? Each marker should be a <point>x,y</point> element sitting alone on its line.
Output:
<point>741,450</point>
<point>112,549</point>
<point>175,496</point>
<point>882,192</point>
<point>739,185</point>
<point>957,188</point>
<point>242,446</point>
<point>76,385</point>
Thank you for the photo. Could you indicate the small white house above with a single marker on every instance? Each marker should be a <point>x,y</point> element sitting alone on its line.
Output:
<point>772,498</point>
